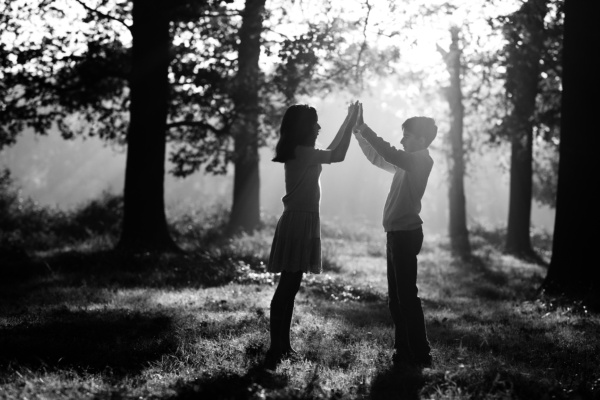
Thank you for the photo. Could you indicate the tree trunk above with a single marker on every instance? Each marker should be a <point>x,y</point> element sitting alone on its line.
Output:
<point>144,220</point>
<point>457,224</point>
<point>518,240</point>
<point>245,211</point>
<point>523,72</point>
<point>574,265</point>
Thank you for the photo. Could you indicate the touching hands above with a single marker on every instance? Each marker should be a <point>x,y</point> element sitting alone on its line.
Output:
<point>353,113</point>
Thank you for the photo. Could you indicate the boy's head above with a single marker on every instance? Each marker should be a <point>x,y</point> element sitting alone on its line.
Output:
<point>418,133</point>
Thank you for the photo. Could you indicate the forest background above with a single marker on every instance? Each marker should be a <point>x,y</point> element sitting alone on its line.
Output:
<point>128,295</point>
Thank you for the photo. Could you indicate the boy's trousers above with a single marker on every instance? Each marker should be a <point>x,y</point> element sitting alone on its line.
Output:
<point>405,306</point>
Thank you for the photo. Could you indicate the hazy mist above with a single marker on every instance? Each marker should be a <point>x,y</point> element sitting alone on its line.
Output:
<point>62,173</point>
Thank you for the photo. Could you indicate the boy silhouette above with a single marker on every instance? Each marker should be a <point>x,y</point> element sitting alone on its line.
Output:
<point>411,168</point>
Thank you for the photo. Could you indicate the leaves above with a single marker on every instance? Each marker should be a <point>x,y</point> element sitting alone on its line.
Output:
<point>72,74</point>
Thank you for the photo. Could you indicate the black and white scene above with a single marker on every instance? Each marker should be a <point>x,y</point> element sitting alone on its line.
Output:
<point>299,199</point>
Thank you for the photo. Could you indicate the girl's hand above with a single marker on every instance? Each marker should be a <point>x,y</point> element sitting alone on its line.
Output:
<point>352,108</point>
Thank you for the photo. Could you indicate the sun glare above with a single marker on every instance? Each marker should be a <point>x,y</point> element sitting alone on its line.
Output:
<point>415,27</point>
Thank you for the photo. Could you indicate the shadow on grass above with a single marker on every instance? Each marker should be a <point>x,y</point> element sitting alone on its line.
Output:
<point>111,268</point>
<point>530,360</point>
<point>390,383</point>
<point>483,279</point>
<point>233,386</point>
<point>496,237</point>
<point>122,342</point>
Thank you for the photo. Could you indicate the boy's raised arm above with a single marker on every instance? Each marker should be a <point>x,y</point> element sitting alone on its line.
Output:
<point>372,155</point>
<point>389,153</point>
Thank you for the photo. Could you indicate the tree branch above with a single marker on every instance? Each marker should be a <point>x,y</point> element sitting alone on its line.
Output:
<point>199,124</point>
<point>103,15</point>
<point>227,13</point>
<point>278,33</point>
<point>363,46</point>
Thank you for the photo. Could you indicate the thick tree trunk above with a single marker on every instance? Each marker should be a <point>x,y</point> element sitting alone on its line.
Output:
<point>522,81</point>
<point>144,221</point>
<point>518,239</point>
<point>457,223</point>
<point>245,211</point>
<point>574,264</point>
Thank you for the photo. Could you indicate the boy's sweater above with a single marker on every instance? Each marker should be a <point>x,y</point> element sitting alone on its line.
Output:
<point>411,172</point>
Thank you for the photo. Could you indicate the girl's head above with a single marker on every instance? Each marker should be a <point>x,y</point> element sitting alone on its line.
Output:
<point>299,127</point>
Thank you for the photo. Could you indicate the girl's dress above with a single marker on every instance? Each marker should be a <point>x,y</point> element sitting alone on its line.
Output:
<point>297,241</point>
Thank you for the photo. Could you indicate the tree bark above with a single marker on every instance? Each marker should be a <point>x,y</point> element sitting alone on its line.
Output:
<point>523,73</point>
<point>574,266</point>
<point>518,240</point>
<point>144,221</point>
<point>245,210</point>
<point>457,223</point>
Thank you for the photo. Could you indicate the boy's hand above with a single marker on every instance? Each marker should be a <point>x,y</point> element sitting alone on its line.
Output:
<point>359,119</point>
<point>353,112</point>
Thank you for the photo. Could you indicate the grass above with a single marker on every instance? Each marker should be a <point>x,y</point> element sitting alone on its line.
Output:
<point>78,321</point>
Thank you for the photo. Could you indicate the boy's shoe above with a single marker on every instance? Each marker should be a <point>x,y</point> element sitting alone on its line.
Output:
<point>292,355</point>
<point>425,361</point>
<point>401,362</point>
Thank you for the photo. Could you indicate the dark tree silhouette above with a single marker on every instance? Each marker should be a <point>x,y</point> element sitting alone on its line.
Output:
<point>574,266</point>
<point>144,220</point>
<point>245,210</point>
<point>525,34</point>
<point>110,89</point>
<point>457,222</point>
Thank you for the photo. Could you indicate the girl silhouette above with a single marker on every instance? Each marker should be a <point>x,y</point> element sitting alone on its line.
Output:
<point>296,247</point>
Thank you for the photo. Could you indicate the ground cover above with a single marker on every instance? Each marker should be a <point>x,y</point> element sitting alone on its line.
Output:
<point>79,321</point>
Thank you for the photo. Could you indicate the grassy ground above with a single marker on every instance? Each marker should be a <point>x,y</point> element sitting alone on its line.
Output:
<point>79,321</point>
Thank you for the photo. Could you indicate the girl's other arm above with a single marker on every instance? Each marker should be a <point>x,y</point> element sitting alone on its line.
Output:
<point>340,134</point>
<point>341,142</point>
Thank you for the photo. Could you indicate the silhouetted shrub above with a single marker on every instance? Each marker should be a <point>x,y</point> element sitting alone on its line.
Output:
<point>101,216</point>
<point>26,226</point>
<point>21,220</point>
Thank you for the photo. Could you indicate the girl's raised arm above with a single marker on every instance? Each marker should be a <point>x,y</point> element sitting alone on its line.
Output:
<point>341,141</point>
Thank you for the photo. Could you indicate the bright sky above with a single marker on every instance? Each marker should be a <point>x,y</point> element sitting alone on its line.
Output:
<point>417,44</point>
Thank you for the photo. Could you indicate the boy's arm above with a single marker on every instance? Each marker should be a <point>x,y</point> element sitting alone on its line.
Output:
<point>390,154</point>
<point>372,155</point>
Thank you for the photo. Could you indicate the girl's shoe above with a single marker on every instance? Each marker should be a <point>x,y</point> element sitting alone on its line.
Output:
<point>273,358</point>
<point>401,362</point>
